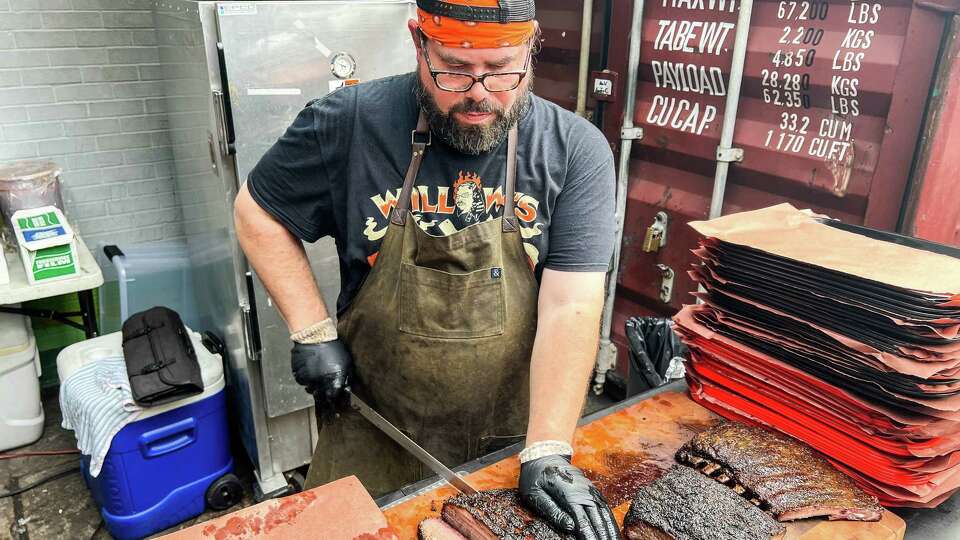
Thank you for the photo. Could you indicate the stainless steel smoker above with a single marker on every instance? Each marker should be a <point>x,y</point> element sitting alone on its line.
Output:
<point>236,74</point>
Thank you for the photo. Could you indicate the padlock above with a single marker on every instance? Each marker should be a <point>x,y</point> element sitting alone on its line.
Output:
<point>651,241</point>
<point>656,236</point>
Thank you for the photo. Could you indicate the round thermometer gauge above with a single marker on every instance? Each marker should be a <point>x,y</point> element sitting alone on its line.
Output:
<point>342,65</point>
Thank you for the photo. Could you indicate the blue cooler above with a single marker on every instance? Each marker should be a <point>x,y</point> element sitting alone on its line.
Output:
<point>169,464</point>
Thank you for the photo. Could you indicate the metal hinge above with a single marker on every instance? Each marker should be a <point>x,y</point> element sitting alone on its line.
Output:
<point>631,133</point>
<point>248,334</point>
<point>251,323</point>
<point>220,114</point>
<point>729,154</point>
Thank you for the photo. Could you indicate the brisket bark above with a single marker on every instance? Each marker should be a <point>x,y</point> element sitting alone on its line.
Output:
<point>685,505</point>
<point>496,515</point>
<point>777,472</point>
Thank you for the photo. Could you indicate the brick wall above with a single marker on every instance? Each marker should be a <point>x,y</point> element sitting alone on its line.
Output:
<point>79,84</point>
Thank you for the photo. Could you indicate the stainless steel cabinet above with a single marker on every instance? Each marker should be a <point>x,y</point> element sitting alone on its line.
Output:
<point>236,74</point>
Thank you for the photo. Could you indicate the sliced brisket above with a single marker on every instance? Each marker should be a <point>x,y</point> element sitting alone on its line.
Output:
<point>437,529</point>
<point>495,515</point>
<point>778,472</point>
<point>685,505</point>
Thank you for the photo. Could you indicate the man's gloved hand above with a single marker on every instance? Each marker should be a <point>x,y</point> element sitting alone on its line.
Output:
<point>566,499</point>
<point>324,369</point>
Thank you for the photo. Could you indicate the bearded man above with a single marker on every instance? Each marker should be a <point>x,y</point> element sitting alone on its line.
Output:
<point>469,335</point>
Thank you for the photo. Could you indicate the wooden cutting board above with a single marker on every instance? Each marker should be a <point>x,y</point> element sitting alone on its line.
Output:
<point>627,449</point>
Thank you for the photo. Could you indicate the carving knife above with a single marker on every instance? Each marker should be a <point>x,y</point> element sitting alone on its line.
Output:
<point>409,445</point>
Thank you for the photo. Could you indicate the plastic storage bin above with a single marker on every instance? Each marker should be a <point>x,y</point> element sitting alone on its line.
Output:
<point>27,184</point>
<point>170,463</point>
<point>146,275</point>
<point>21,411</point>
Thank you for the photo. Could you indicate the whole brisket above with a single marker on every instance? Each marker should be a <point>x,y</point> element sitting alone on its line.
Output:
<point>495,515</point>
<point>777,472</point>
<point>685,505</point>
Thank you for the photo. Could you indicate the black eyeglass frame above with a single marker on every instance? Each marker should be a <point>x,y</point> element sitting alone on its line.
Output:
<point>476,78</point>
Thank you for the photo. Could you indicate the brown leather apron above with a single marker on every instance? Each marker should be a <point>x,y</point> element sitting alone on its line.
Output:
<point>441,333</point>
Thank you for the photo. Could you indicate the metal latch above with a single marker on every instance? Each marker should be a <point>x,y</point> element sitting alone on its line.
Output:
<point>631,133</point>
<point>666,283</point>
<point>656,236</point>
<point>729,154</point>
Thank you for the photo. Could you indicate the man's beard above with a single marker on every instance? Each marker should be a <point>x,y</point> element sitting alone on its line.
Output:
<point>471,139</point>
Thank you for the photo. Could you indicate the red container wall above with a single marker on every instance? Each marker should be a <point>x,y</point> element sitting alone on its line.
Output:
<point>934,205</point>
<point>831,106</point>
<point>556,68</point>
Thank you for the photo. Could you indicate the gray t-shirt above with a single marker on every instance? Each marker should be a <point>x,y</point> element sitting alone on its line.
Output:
<point>339,168</point>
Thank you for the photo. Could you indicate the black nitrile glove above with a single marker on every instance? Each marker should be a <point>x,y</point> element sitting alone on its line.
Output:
<point>324,369</point>
<point>560,493</point>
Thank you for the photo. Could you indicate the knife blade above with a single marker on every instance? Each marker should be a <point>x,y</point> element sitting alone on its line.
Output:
<point>409,445</point>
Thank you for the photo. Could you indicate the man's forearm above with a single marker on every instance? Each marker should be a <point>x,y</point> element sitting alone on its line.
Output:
<point>280,262</point>
<point>564,354</point>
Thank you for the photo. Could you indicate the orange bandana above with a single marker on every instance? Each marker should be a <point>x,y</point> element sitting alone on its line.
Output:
<point>450,32</point>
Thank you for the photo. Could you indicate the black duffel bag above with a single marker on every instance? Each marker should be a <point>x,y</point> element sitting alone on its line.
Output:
<point>161,361</point>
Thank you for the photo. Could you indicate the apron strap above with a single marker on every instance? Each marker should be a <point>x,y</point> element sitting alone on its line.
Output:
<point>510,184</point>
<point>420,139</point>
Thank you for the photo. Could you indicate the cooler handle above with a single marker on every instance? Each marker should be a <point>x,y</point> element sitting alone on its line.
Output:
<point>168,438</point>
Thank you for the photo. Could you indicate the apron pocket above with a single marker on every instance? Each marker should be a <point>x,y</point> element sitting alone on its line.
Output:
<point>439,304</point>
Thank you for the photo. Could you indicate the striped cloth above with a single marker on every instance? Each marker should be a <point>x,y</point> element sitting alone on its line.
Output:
<point>96,403</point>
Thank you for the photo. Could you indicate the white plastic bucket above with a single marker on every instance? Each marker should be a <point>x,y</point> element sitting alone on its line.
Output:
<point>21,411</point>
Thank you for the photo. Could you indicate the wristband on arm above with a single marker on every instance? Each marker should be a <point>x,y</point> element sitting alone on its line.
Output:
<point>545,448</point>
<point>321,332</point>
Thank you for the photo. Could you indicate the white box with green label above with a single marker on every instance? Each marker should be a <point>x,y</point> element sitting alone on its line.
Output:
<point>48,248</point>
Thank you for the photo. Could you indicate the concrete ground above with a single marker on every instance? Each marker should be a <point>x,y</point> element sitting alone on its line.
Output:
<point>63,508</point>
<point>941,523</point>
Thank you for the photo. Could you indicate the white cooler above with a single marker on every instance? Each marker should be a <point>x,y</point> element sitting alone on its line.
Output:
<point>21,411</point>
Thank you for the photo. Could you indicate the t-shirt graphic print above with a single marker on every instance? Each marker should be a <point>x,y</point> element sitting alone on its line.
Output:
<point>444,210</point>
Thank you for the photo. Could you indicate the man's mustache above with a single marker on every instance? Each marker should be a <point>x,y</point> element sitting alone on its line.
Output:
<point>470,105</point>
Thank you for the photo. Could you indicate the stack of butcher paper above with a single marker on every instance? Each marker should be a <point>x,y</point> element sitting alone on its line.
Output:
<point>843,337</point>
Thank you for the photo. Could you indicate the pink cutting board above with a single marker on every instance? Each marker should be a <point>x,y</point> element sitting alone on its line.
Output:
<point>340,510</point>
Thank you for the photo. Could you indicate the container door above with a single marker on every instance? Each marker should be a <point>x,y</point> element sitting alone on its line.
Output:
<point>932,212</point>
<point>829,114</point>
<point>277,57</point>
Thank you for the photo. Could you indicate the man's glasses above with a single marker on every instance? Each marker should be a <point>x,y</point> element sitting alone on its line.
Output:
<point>494,81</point>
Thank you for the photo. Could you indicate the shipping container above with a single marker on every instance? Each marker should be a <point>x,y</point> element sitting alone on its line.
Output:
<point>832,100</point>
<point>932,210</point>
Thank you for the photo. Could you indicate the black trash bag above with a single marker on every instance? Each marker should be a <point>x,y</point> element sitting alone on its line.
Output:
<point>653,343</point>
